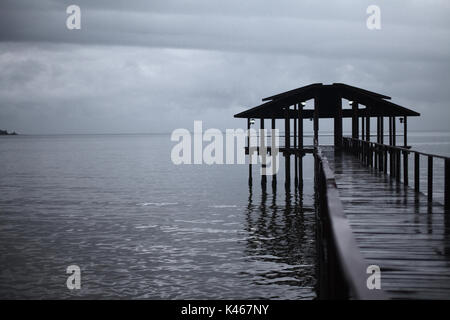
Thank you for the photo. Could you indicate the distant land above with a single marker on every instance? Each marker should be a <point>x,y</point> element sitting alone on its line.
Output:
<point>6,133</point>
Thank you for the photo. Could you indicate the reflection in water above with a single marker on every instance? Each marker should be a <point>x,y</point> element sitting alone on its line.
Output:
<point>281,233</point>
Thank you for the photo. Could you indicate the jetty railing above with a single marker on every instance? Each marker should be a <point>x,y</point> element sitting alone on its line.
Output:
<point>342,269</point>
<point>388,159</point>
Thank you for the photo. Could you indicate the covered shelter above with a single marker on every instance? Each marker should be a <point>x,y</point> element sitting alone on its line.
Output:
<point>365,104</point>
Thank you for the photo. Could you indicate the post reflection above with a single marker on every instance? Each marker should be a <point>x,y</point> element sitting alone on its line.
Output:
<point>281,237</point>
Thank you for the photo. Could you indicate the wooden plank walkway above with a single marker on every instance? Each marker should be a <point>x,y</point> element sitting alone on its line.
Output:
<point>396,229</point>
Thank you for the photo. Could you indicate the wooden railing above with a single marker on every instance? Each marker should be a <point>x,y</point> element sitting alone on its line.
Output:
<point>388,159</point>
<point>342,269</point>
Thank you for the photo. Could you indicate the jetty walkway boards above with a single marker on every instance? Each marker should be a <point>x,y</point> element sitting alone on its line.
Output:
<point>396,229</point>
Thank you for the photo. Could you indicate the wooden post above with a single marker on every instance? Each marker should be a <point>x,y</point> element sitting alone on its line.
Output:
<point>378,130</point>
<point>385,156</point>
<point>262,152</point>
<point>447,186</point>
<point>416,172</point>
<point>405,168</point>
<point>274,174</point>
<point>355,121</point>
<point>430,178</point>
<point>338,122</point>
<point>363,130</point>
<point>368,124</point>
<point>390,131</point>
<point>249,155</point>
<point>316,120</point>
<point>300,144</point>
<point>287,148</point>
<point>398,164</point>
<point>382,130</point>
<point>295,148</point>
<point>394,134</point>
<point>405,132</point>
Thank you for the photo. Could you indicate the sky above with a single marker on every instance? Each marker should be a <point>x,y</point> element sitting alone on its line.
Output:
<point>153,66</point>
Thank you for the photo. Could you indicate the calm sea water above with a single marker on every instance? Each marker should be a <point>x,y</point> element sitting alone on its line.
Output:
<point>140,227</point>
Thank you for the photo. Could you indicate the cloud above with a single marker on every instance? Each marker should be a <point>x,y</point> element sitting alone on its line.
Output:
<point>156,65</point>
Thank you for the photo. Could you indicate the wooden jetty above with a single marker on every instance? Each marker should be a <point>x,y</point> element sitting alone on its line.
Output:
<point>369,210</point>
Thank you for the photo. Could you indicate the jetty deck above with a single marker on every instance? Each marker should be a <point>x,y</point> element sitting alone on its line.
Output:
<point>395,228</point>
<point>370,213</point>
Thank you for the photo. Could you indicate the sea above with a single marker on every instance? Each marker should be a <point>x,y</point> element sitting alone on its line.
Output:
<point>140,227</point>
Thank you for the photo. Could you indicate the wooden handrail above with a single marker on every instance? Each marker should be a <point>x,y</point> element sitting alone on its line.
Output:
<point>403,149</point>
<point>366,150</point>
<point>344,260</point>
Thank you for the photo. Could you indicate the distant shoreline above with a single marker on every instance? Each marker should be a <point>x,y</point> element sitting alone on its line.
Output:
<point>6,133</point>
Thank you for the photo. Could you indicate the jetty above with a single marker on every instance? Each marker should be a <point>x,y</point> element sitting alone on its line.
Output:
<point>371,207</point>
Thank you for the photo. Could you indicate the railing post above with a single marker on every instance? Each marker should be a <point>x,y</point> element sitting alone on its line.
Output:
<point>430,178</point>
<point>397,169</point>
<point>417,172</point>
<point>447,186</point>
<point>405,168</point>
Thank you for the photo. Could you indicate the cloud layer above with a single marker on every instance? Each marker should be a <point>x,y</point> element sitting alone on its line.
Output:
<point>151,66</point>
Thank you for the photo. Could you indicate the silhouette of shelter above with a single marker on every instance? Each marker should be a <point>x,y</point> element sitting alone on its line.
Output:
<point>290,105</point>
<point>328,104</point>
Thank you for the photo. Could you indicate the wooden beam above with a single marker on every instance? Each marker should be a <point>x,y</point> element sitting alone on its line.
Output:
<point>430,178</point>
<point>405,132</point>
<point>416,172</point>
<point>287,136</point>
<point>316,120</point>
<point>368,124</point>
<point>300,145</point>
<point>295,149</point>
<point>273,154</point>
<point>338,122</point>
<point>390,131</point>
<point>355,120</point>
<point>249,155</point>
<point>394,134</point>
<point>262,152</point>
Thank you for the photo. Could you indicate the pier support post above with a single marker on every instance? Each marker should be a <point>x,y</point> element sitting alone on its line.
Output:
<point>416,172</point>
<point>355,122</point>
<point>405,131</point>
<point>274,174</point>
<point>295,148</point>
<point>368,124</point>
<point>394,134</point>
<point>447,186</point>
<point>405,168</point>
<point>430,178</point>
<point>249,155</point>
<point>316,120</point>
<point>385,162</point>
<point>390,131</point>
<point>363,128</point>
<point>338,123</point>
<point>300,144</point>
<point>263,152</point>
<point>287,148</point>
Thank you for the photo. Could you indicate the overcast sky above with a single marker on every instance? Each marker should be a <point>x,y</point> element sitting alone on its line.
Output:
<point>152,66</point>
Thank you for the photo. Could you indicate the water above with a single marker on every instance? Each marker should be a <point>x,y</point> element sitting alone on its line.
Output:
<point>141,227</point>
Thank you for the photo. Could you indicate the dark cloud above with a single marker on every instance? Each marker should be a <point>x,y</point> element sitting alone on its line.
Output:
<point>151,66</point>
